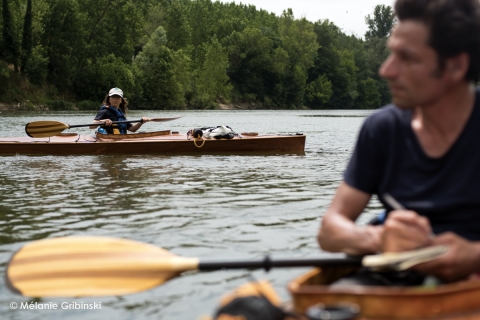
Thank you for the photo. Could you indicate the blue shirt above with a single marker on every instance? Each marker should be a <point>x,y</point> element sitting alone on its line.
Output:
<point>388,158</point>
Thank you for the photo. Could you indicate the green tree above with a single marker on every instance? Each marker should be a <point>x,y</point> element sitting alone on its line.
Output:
<point>104,73</point>
<point>379,28</point>
<point>205,51</point>
<point>10,45</point>
<point>228,24</point>
<point>251,69</point>
<point>369,95</point>
<point>63,40</point>
<point>158,85</point>
<point>182,76</point>
<point>107,28</point>
<point>179,32</point>
<point>213,81</point>
<point>111,27</point>
<point>4,78</point>
<point>319,92</point>
<point>337,63</point>
<point>201,21</point>
<point>299,41</point>
<point>229,17</point>
<point>34,57</point>
<point>27,36</point>
<point>377,52</point>
<point>36,68</point>
<point>381,23</point>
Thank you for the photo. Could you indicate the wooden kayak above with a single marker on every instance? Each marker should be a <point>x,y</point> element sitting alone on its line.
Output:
<point>457,301</point>
<point>160,142</point>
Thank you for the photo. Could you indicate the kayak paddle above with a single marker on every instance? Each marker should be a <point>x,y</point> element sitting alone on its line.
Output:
<point>100,266</point>
<point>46,129</point>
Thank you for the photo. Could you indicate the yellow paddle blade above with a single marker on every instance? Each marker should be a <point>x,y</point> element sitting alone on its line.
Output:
<point>45,129</point>
<point>91,266</point>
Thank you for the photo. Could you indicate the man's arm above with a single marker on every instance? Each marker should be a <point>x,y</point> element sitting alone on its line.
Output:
<point>339,233</point>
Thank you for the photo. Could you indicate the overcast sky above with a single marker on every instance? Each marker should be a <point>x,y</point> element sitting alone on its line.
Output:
<point>349,15</point>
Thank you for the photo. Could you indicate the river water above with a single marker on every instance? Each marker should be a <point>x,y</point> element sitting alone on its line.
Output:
<point>211,207</point>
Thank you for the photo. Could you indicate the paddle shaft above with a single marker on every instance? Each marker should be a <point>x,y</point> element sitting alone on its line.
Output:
<point>267,263</point>
<point>102,123</point>
<point>46,129</point>
<point>126,121</point>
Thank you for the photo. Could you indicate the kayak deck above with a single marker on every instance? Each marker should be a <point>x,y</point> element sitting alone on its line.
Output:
<point>146,143</point>
<point>456,301</point>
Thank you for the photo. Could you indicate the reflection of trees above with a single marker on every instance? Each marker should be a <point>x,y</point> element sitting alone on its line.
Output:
<point>120,181</point>
<point>115,168</point>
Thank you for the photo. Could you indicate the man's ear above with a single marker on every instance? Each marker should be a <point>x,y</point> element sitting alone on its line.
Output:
<point>457,66</point>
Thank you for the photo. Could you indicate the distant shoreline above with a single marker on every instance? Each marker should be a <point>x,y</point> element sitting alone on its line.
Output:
<point>23,107</point>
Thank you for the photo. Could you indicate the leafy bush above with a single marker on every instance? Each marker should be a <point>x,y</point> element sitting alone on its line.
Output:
<point>36,68</point>
<point>59,105</point>
<point>88,105</point>
<point>4,78</point>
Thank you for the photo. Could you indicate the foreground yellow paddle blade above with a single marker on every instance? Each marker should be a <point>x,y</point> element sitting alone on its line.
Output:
<point>45,129</point>
<point>91,266</point>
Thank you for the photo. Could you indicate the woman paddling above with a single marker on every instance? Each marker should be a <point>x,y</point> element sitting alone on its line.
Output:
<point>114,108</point>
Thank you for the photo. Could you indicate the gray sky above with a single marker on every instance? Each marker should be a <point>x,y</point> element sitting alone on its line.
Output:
<point>349,15</point>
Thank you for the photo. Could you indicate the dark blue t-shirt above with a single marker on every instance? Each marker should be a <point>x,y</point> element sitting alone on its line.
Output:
<point>389,159</point>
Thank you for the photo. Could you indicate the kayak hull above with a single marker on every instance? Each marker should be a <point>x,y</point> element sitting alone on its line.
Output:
<point>165,143</point>
<point>458,301</point>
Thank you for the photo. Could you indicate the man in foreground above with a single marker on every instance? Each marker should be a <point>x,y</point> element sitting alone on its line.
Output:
<point>424,149</point>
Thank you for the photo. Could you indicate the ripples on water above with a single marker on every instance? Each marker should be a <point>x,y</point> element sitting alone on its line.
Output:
<point>195,206</point>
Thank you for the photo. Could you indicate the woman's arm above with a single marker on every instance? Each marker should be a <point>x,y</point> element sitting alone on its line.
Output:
<point>137,125</point>
<point>107,122</point>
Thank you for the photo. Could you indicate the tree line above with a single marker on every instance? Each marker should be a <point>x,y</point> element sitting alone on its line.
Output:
<point>175,54</point>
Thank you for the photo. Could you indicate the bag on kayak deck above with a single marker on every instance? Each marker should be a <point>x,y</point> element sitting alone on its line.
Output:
<point>218,132</point>
<point>252,301</point>
<point>195,133</point>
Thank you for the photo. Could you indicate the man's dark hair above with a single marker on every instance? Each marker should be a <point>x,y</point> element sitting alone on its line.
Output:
<point>454,27</point>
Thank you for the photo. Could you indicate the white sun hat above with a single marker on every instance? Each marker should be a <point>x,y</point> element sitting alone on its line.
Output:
<point>115,91</point>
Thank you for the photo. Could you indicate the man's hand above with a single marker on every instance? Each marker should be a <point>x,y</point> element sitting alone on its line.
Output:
<point>461,260</point>
<point>405,230</point>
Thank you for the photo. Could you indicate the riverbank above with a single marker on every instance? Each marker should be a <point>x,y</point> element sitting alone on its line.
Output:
<point>28,106</point>
<point>23,106</point>
<point>241,106</point>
